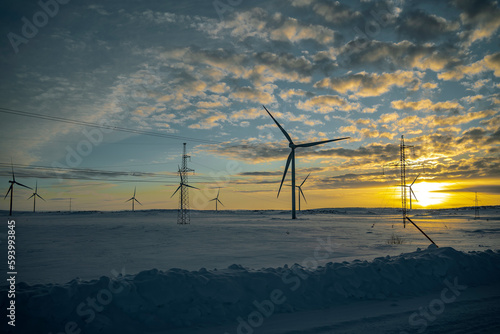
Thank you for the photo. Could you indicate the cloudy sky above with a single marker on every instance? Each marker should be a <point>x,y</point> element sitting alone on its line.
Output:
<point>168,72</point>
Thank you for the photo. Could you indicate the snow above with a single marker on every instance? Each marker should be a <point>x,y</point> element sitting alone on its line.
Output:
<point>244,272</point>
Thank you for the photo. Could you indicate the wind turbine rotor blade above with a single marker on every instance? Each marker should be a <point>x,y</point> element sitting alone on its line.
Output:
<point>302,193</point>
<point>137,201</point>
<point>134,190</point>
<point>304,180</point>
<point>415,180</point>
<point>286,169</point>
<point>41,198</point>
<point>321,142</point>
<point>8,191</point>
<point>187,185</point>
<point>129,200</point>
<point>279,126</point>
<point>179,171</point>
<point>31,196</point>
<point>411,190</point>
<point>220,202</point>
<point>218,191</point>
<point>213,199</point>
<point>22,185</point>
<point>176,190</point>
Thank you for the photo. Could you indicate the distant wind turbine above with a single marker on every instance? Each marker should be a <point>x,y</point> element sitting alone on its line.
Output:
<point>300,190</point>
<point>133,199</point>
<point>11,188</point>
<point>291,158</point>
<point>216,199</point>
<point>411,190</point>
<point>35,195</point>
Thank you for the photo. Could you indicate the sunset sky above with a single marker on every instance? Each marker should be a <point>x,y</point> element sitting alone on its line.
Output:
<point>200,71</point>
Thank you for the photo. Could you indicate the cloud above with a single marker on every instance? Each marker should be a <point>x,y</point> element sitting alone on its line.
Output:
<point>426,105</point>
<point>480,18</point>
<point>291,30</point>
<point>333,12</point>
<point>249,94</point>
<point>327,103</point>
<point>271,67</point>
<point>371,84</point>
<point>401,54</point>
<point>488,63</point>
<point>289,93</point>
<point>258,23</point>
<point>210,122</point>
<point>278,173</point>
<point>429,85</point>
<point>488,189</point>
<point>472,99</point>
<point>422,26</point>
<point>474,135</point>
<point>446,120</point>
<point>388,118</point>
<point>259,67</point>
<point>245,114</point>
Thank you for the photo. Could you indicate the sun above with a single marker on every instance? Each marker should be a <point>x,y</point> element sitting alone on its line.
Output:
<point>429,194</point>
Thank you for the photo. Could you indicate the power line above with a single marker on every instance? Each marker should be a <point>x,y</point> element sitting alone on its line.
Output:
<point>58,173</point>
<point>102,126</point>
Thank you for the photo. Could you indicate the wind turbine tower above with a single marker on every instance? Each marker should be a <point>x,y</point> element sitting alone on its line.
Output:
<point>300,190</point>
<point>291,158</point>
<point>183,216</point>
<point>11,189</point>
<point>133,199</point>
<point>35,195</point>
<point>216,199</point>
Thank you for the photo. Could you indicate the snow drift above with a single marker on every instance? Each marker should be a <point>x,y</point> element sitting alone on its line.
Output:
<point>157,300</point>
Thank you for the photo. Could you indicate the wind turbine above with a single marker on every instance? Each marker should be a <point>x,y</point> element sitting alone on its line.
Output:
<point>35,195</point>
<point>133,199</point>
<point>300,190</point>
<point>411,190</point>
<point>11,188</point>
<point>216,199</point>
<point>182,184</point>
<point>291,158</point>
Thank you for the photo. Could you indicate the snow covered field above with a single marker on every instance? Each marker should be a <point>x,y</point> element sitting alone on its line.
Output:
<point>330,271</point>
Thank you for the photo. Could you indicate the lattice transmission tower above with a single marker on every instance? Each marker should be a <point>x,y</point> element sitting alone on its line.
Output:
<point>183,216</point>
<point>476,208</point>
<point>406,190</point>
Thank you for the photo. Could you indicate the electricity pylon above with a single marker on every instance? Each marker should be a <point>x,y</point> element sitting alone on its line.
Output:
<point>406,189</point>
<point>183,216</point>
<point>403,163</point>
<point>476,208</point>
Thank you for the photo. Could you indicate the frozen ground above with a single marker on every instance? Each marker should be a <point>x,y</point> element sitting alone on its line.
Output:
<point>349,279</point>
<point>58,247</point>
